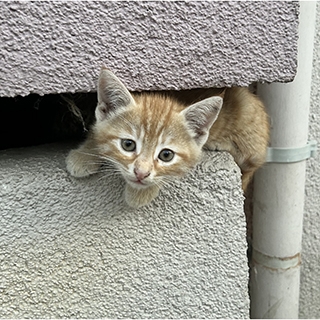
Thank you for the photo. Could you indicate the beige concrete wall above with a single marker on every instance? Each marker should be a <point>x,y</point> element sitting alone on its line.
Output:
<point>72,248</point>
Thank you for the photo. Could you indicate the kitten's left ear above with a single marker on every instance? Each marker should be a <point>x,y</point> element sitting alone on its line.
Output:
<point>112,94</point>
<point>201,116</point>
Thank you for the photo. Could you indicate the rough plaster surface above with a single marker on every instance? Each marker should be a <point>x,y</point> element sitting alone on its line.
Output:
<point>310,269</point>
<point>54,47</point>
<point>72,248</point>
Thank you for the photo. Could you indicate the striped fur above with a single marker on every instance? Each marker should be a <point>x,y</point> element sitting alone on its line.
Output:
<point>164,124</point>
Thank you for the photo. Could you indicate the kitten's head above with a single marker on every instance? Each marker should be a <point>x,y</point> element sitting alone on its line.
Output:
<point>149,137</point>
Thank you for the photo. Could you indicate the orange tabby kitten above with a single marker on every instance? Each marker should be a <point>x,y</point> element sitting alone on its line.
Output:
<point>152,137</point>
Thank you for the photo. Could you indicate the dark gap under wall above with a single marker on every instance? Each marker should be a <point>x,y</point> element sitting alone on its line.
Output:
<point>33,120</point>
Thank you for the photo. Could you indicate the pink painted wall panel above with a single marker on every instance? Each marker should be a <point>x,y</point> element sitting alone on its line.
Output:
<point>53,47</point>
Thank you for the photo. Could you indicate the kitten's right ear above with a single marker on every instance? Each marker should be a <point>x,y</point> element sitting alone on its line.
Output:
<point>112,94</point>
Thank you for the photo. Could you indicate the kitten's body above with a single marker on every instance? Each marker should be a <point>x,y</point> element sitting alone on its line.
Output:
<point>242,127</point>
<point>168,125</point>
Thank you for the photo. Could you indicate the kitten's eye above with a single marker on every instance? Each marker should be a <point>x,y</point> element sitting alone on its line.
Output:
<point>166,155</point>
<point>128,145</point>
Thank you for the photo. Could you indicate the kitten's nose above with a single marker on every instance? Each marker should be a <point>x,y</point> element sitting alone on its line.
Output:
<point>141,174</point>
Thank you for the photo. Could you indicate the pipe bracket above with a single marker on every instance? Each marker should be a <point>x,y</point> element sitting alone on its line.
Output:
<point>287,155</point>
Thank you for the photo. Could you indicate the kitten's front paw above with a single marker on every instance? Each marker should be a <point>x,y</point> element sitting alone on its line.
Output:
<point>137,198</point>
<point>80,164</point>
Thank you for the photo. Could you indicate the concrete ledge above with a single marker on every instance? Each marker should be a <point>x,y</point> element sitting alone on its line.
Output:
<point>59,46</point>
<point>71,248</point>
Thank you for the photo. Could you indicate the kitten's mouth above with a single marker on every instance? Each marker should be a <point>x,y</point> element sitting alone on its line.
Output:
<point>138,183</point>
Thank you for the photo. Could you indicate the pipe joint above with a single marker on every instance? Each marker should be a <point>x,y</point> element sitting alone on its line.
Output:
<point>276,263</point>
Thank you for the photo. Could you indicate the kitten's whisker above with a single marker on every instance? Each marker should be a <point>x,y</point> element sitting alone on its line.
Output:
<point>102,178</point>
<point>102,158</point>
<point>106,175</point>
<point>109,170</point>
<point>110,160</point>
<point>87,153</point>
<point>94,162</point>
<point>90,154</point>
<point>166,181</point>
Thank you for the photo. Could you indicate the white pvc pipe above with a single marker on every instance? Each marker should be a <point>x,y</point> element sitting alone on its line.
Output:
<point>279,188</point>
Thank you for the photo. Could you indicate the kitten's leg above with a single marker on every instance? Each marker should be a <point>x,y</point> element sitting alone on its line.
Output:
<point>249,167</point>
<point>83,161</point>
<point>246,178</point>
<point>140,197</point>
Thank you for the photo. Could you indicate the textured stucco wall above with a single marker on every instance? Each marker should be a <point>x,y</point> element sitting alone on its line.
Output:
<point>310,269</point>
<point>71,248</point>
<point>53,47</point>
